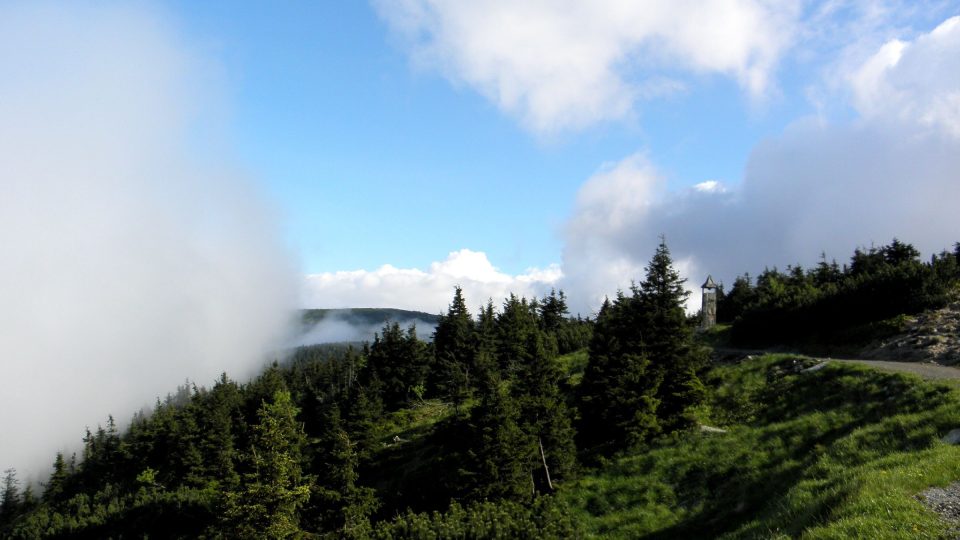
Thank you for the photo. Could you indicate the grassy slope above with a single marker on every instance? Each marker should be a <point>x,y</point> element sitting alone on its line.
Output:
<point>411,472</point>
<point>574,364</point>
<point>836,453</point>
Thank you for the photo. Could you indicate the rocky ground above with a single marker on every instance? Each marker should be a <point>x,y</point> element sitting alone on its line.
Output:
<point>945,502</point>
<point>930,337</point>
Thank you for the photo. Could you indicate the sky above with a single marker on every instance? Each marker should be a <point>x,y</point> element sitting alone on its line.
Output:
<point>418,144</point>
<point>179,177</point>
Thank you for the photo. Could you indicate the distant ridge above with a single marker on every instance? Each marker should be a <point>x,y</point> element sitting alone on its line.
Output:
<point>368,316</point>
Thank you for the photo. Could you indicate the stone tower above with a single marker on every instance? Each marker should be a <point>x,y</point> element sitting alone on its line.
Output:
<point>709,307</point>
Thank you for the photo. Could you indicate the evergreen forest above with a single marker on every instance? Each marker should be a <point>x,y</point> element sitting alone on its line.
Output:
<point>518,420</point>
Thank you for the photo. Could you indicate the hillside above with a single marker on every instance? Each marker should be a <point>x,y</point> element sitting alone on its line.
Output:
<point>931,336</point>
<point>839,452</point>
<point>356,325</point>
<point>524,422</point>
<point>368,316</point>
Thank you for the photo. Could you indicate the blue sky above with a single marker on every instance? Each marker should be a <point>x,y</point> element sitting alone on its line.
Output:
<point>407,146</point>
<point>375,161</point>
<point>460,143</point>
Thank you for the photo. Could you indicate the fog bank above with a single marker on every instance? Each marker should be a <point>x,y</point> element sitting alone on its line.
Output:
<point>128,264</point>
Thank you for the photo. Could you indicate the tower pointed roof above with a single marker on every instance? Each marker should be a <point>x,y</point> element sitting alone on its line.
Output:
<point>709,283</point>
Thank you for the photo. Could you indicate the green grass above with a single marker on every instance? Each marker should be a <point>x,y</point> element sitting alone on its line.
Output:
<point>413,422</point>
<point>414,472</point>
<point>718,336</point>
<point>836,453</point>
<point>573,365</point>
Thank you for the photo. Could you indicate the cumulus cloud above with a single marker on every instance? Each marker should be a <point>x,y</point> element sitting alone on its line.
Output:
<point>917,81</point>
<point>818,187</point>
<point>619,213</point>
<point>127,266</point>
<point>430,290</point>
<point>571,64</point>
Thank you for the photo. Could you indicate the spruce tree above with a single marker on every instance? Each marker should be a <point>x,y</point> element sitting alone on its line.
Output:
<point>741,296</point>
<point>667,339</point>
<point>485,356</point>
<point>10,500</point>
<point>266,504</point>
<point>544,416</point>
<point>515,323</point>
<point>618,395</point>
<point>54,487</point>
<point>499,454</point>
<point>337,503</point>
<point>398,360</point>
<point>454,347</point>
<point>220,413</point>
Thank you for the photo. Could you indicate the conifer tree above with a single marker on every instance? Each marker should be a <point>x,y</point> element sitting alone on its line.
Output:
<point>185,455</point>
<point>667,339</point>
<point>544,416</point>
<point>485,359</point>
<point>55,486</point>
<point>515,323</point>
<point>454,349</point>
<point>553,311</point>
<point>10,500</point>
<point>267,502</point>
<point>500,454</point>
<point>220,412</point>
<point>337,502</point>
<point>618,395</point>
<point>741,296</point>
<point>364,409</point>
<point>398,360</point>
<point>28,500</point>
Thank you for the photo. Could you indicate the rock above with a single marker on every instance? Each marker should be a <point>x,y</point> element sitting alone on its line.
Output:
<point>817,367</point>
<point>953,437</point>
<point>711,429</point>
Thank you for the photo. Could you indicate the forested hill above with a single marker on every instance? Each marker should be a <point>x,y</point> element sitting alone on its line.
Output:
<point>368,316</point>
<point>519,421</point>
<point>356,325</point>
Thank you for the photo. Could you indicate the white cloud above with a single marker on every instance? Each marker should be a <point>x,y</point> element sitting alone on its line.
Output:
<point>619,214</point>
<point>429,291</point>
<point>560,65</point>
<point>127,266</point>
<point>895,171</point>
<point>815,188</point>
<point>710,186</point>
<point>917,80</point>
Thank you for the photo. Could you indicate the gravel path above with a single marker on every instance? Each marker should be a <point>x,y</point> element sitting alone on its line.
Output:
<point>945,502</point>
<point>923,369</point>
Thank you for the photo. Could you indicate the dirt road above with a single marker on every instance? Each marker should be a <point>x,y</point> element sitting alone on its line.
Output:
<point>924,370</point>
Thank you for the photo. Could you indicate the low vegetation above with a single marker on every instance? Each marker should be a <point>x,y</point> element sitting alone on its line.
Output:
<point>839,452</point>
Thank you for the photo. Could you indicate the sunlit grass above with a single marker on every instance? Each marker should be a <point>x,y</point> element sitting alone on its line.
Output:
<point>836,453</point>
<point>573,365</point>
